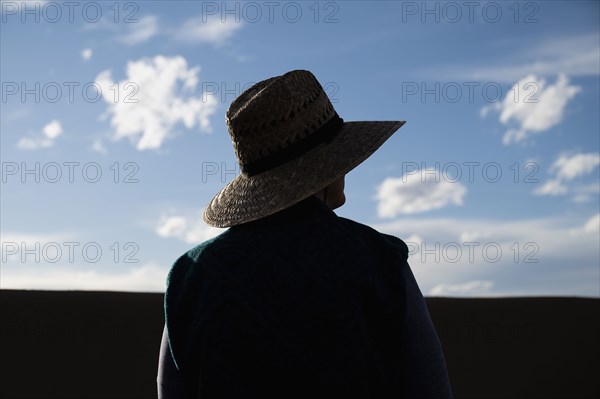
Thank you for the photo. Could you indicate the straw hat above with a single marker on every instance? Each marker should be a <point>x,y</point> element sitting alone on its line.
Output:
<point>290,143</point>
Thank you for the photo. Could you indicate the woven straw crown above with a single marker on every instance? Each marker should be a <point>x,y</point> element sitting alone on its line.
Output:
<point>276,113</point>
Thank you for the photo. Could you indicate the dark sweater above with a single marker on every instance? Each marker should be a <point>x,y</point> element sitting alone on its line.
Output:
<point>301,304</point>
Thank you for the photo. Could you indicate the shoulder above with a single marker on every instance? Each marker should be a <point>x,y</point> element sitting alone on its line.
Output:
<point>397,243</point>
<point>185,265</point>
<point>184,280</point>
<point>383,239</point>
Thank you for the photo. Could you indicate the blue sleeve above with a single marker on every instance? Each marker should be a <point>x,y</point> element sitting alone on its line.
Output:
<point>424,364</point>
<point>169,380</point>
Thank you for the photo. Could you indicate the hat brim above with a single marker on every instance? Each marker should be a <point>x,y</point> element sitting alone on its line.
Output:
<point>248,198</point>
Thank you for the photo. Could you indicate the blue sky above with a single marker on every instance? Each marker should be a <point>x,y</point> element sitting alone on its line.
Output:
<point>117,110</point>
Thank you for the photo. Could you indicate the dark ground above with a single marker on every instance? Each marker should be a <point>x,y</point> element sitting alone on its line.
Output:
<point>80,345</point>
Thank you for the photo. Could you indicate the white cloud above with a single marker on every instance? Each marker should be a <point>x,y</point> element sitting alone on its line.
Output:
<point>537,107</point>
<point>551,187</point>
<point>514,136</point>
<point>155,95</point>
<point>583,193</point>
<point>473,236</point>
<point>28,143</point>
<point>21,271</point>
<point>417,192</point>
<point>534,106</point>
<point>470,288</point>
<point>593,188</point>
<point>591,227</point>
<point>190,230</point>
<point>570,167</point>
<point>581,198</point>
<point>149,277</point>
<point>86,54</point>
<point>415,239</point>
<point>31,239</point>
<point>140,31</point>
<point>200,232</point>
<point>577,55</point>
<point>49,133</point>
<point>537,256</point>
<point>567,168</point>
<point>17,114</point>
<point>205,29</point>
<point>171,226</point>
<point>430,229</point>
<point>11,6</point>
<point>52,130</point>
<point>484,111</point>
<point>99,147</point>
<point>413,242</point>
<point>20,248</point>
